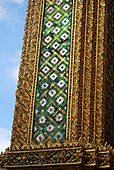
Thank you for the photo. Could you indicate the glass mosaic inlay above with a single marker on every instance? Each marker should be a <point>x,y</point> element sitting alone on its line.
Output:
<point>50,116</point>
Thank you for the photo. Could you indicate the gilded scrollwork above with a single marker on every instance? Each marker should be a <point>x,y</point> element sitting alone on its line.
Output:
<point>100,90</point>
<point>26,73</point>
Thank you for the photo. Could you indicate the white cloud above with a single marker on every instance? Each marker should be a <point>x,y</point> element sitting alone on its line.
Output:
<point>5,11</point>
<point>4,139</point>
<point>20,2</point>
<point>2,12</point>
<point>13,70</point>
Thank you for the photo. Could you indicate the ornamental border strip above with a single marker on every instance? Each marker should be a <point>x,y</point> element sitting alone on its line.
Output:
<point>33,93</point>
<point>71,70</point>
<point>65,156</point>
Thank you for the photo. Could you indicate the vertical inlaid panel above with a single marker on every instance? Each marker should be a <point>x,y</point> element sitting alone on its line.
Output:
<point>50,116</point>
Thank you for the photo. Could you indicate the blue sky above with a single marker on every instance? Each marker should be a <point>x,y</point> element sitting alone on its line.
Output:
<point>12,20</point>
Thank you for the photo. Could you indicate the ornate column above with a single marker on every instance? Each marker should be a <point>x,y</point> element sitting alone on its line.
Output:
<point>60,106</point>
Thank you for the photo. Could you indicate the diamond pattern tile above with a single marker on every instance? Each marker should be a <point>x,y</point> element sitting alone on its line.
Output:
<point>50,116</point>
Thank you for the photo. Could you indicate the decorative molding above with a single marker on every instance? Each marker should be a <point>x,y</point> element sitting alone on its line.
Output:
<point>73,154</point>
<point>75,114</point>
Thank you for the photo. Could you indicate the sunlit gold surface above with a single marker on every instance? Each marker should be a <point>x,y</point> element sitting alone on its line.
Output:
<point>86,99</point>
